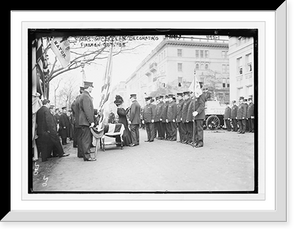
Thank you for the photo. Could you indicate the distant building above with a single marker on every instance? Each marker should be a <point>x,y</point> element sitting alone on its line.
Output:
<point>170,67</point>
<point>241,67</point>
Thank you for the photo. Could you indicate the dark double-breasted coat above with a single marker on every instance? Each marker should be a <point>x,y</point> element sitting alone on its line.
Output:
<point>86,117</point>
<point>64,125</point>
<point>172,111</point>
<point>250,111</point>
<point>199,107</point>
<point>164,112</point>
<point>179,111</point>
<point>227,113</point>
<point>135,113</point>
<point>158,110</point>
<point>149,113</point>
<point>242,111</point>
<point>185,108</point>
<point>234,109</point>
<point>86,109</point>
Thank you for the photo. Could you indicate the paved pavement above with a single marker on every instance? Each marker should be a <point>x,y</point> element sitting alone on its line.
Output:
<point>225,163</point>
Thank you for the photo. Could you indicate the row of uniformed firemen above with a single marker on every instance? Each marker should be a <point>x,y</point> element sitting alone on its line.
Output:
<point>240,118</point>
<point>185,113</point>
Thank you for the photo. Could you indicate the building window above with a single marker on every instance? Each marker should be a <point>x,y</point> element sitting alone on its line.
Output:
<point>248,61</point>
<point>197,66</point>
<point>206,66</point>
<point>224,54</point>
<point>179,67</point>
<point>197,53</point>
<point>201,66</point>
<point>206,53</point>
<point>225,68</point>
<point>180,80</point>
<point>239,66</point>
<point>179,52</point>
<point>201,54</point>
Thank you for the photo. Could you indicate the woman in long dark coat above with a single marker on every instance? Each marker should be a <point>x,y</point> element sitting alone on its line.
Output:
<point>123,119</point>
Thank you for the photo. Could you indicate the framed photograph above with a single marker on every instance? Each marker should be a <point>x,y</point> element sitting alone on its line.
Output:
<point>149,120</point>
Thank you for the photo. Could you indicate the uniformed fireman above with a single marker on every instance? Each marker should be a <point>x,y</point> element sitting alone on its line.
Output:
<point>171,119</point>
<point>179,115</point>
<point>148,118</point>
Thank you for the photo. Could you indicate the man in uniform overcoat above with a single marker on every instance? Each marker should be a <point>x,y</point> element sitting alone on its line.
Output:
<point>179,115</point>
<point>199,116</point>
<point>187,118</point>
<point>148,119</point>
<point>234,109</point>
<point>241,116</point>
<point>171,119</point>
<point>134,120</point>
<point>75,111</point>
<point>250,115</point>
<point>86,120</point>
<point>227,117</point>
<point>157,119</point>
<point>163,117</point>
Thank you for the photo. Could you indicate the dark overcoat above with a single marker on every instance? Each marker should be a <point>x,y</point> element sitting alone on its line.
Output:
<point>227,113</point>
<point>164,111</point>
<point>149,113</point>
<point>64,125</point>
<point>172,112</point>
<point>86,109</point>
<point>250,111</point>
<point>241,111</point>
<point>185,108</point>
<point>135,113</point>
<point>200,107</point>
<point>234,109</point>
<point>179,111</point>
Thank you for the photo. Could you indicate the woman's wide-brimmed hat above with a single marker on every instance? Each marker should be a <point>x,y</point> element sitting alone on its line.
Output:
<point>118,100</point>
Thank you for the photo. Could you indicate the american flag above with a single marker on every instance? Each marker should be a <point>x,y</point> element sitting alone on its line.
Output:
<point>41,66</point>
<point>105,89</point>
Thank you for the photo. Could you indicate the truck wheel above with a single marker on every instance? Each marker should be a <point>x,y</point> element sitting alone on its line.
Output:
<point>212,122</point>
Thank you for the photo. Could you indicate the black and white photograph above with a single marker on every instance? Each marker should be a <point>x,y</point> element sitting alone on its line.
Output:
<point>143,110</point>
<point>148,116</point>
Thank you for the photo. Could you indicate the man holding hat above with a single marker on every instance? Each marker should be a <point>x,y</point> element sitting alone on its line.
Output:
<point>134,120</point>
<point>85,121</point>
<point>171,119</point>
<point>148,119</point>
